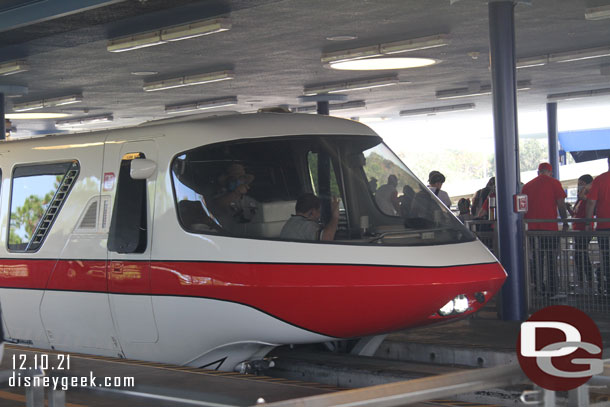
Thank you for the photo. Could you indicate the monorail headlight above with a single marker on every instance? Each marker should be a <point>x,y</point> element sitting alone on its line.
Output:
<point>458,305</point>
<point>447,309</point>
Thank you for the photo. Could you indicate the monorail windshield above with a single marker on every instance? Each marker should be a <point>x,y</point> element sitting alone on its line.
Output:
<point>249,188</point>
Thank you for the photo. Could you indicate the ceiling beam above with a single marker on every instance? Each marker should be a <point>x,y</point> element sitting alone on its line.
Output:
<point>23,13</point>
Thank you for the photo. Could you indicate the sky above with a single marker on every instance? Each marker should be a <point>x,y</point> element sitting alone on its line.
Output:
<point>473,131</point>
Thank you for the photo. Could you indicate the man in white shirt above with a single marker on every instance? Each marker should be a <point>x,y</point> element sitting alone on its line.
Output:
<point>435,182</point>
<point>386,196</point>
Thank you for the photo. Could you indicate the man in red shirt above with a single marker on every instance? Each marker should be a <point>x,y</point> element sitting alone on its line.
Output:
<point>599,204</point>
<point>545,196</point>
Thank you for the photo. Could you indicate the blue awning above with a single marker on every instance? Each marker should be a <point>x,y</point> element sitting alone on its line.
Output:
<point>585,140</point>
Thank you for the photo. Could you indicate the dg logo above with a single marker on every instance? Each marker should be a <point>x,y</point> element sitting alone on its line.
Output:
<point>560,348</point>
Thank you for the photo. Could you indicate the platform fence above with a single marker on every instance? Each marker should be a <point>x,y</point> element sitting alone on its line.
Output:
<point>385,395</point>
<point>561,267</point>
<point>568,268</point>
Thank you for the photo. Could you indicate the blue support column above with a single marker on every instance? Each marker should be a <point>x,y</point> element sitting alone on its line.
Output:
<point>2,117</point>
<point>510,229</point>
<point>322,107</point>
<point>551,117</point>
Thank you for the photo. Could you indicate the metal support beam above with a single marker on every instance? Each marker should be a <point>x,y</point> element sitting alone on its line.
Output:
<point>57,398</point>
<point>510,229</point>
<point>322,107</point>
<point>2,118</point>
<point>414,391</point>
<point>551,118</point>
<point>32,12</point>
<point>368,345</point>
<point>579,397</point>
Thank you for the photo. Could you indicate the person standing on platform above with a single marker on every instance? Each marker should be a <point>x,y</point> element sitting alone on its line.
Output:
<point>387,196</point>
<point>464,208</point>
<point>581,243</point>
<point>481,195</point>
<point>599,204</point>
<point>435,182</point>
<point>545,197</point>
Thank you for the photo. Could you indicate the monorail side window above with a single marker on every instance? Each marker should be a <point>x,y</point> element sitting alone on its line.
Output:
<point>37,196</point>
<point>128,226</point>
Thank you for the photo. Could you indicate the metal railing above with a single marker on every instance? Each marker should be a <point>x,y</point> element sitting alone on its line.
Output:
<point>568,267</point>
<point>487,233</point>
<point>384,395</point>
<point>449,385</point>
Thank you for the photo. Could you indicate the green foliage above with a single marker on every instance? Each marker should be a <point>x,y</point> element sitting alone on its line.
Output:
<point>454,164</point>
<point>312,160</point>
<point>27,217</point>
<point>381,168</point>
<point>531,153</point>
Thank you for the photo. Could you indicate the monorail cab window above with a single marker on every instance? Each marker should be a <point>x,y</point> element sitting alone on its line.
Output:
<point>248,188</point>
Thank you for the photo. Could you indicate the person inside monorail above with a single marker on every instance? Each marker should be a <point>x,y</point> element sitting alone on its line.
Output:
<point>251,187</point>
<point>233,205</point>
<point>305,224</point>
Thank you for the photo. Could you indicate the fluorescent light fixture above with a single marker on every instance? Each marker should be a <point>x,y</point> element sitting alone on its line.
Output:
<point>27,106</point>
<point>174,33</point>
<point>350,86</point>
<point>580,55</point>
<point>51,102</point>
<point>379,63</point>
<point>597,13</point>
<point>532,62</point>
<point>371,119</point>
<point>196,29</point>
<point>475,90</point>
<point>354,104</point>
<point>578,94</point>
<point>13,67</point>
<point>188,80</point>
<point>81,121</point>
<point>439,109</point>
<point>64,100</point>
<point>388,48</point>
<point>35,116</point>
<point>560,57</point>
<point>202,105</point>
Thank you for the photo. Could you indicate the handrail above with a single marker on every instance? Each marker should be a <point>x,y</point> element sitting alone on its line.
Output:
<point>416,390</point>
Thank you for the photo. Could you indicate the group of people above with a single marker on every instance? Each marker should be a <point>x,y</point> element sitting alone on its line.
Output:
<point>233,206</point>
<point>546,199</point>
<point>390,203</point>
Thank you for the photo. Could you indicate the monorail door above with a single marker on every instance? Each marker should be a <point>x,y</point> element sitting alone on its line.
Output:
<point>130,173</point>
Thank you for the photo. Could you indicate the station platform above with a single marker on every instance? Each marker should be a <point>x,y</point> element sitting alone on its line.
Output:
<point>303,371</point>
<point>424,352</point>
<point>155,384</point>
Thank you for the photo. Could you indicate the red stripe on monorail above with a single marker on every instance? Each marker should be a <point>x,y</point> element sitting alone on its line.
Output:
<point>336,300</point>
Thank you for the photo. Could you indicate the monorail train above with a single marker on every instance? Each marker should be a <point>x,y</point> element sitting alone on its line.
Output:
<point>121,242</point>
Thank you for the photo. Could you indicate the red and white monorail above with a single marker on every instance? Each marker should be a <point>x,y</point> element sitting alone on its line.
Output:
<point>111,242</point>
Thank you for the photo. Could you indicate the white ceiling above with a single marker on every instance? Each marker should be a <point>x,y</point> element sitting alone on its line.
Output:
<point>274,48</point>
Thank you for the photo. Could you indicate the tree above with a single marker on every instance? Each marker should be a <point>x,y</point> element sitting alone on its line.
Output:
<point>26,217</point>
<point>531,153</point>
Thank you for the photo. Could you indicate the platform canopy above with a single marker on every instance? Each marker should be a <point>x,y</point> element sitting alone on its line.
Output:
<point>586,145</point>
